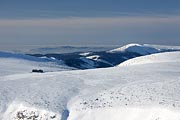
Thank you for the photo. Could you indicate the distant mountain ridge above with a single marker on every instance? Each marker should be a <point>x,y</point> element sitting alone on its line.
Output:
<point>66,49</point>
<point>136,48</point>
<point>103,59</point>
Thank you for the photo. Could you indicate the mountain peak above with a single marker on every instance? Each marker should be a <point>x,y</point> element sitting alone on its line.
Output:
<point>136,48</point>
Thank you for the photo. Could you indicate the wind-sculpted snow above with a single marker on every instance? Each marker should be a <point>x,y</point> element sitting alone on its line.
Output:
<point>149,91</point>
<point>43,94</point>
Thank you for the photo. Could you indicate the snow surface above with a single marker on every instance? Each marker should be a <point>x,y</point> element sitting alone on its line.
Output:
<point>117,113</point>
<point>12,63</point>
<point>85,53</point>
<point>148,91</point>
<point>93,57</point>
<point>97,58</point>
<point>136,48</point>
<point>154,58</point>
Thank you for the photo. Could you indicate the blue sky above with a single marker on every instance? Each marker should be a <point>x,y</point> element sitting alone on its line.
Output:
<point>89,22</point>
<point>66,8</point>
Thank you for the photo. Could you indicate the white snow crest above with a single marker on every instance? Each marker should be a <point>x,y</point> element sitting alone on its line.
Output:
<point>136,48</point>
<point>154,58</point>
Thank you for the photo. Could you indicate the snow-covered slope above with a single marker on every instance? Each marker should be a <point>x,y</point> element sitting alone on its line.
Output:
<point>12,63</point>
<point>154,58</point>
<point>136,48</point>
<point>149,91</point>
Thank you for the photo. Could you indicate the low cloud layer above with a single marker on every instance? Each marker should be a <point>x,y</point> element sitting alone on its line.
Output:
<point>91,30</point>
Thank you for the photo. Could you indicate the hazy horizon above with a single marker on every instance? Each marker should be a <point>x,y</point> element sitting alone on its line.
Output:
<point>85,22</point>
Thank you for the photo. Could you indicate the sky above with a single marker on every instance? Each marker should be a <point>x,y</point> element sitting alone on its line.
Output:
<point>89,22</point>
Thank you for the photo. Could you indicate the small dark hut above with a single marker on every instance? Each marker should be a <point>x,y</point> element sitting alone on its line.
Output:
<point>37,71</point>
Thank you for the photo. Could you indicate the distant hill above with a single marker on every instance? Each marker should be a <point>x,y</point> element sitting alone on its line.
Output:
<point>103,59</point>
